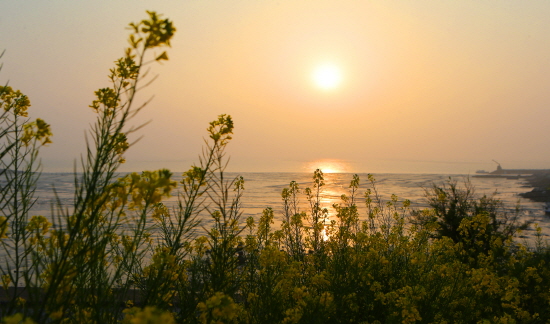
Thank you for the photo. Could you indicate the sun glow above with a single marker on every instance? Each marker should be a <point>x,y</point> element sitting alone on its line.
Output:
<point>327,76</point>
<point>328,166</point>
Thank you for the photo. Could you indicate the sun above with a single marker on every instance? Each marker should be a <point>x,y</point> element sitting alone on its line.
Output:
<point>327,76</point>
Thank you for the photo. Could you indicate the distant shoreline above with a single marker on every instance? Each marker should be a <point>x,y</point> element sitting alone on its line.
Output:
<point>541,191</point>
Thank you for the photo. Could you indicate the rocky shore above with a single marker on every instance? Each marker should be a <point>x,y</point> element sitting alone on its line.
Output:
<point>541,183</point>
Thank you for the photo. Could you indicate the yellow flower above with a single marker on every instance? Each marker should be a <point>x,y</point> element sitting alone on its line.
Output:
<point>14,100</point>
<point>326,299</point>
<point>293,315</point>
<point>160,212</point>
<point>17,319</point>
<point>58,314</point>
<point>218,308</point>
<point>19,301</point>
<point>149,187</point>
<point>106,97</point>
<point>3,227</point>
<point>6,280</point>
<point>40,224</point>
<point>147,315</point>
<point>38,130</point>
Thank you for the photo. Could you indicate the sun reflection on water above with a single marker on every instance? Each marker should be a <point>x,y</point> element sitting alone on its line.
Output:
<point>336,184</point>
<point>328,166</point>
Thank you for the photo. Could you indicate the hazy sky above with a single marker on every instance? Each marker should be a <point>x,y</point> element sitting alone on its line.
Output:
<point>426,86</point>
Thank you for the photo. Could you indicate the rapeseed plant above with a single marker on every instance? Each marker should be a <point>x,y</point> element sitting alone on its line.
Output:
<point>20,142</point>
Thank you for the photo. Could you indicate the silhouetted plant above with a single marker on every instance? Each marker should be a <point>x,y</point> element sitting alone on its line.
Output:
<point>468,219</point>
<point>20,142</point>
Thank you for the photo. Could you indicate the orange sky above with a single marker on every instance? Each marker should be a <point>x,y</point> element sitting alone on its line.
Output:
<point>427,86</point>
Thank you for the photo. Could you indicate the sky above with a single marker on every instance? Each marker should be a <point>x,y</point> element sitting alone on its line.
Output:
<point>424,86</point>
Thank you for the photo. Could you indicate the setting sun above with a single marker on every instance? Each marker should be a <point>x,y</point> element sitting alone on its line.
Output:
<point>327,76</point>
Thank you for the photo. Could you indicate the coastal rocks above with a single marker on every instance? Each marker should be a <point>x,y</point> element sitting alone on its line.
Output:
<point>537,194</point>
<point>541,183</point>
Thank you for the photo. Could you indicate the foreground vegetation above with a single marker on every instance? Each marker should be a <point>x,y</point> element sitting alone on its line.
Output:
<point>101,261</point>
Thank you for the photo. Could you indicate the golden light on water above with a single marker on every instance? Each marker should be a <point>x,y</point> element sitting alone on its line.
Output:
<point>328,166</point>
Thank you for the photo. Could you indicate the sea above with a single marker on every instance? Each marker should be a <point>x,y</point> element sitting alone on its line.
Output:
<point>263,190</point>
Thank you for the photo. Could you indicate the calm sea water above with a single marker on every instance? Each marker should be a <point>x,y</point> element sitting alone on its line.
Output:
<point>263,190</point>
